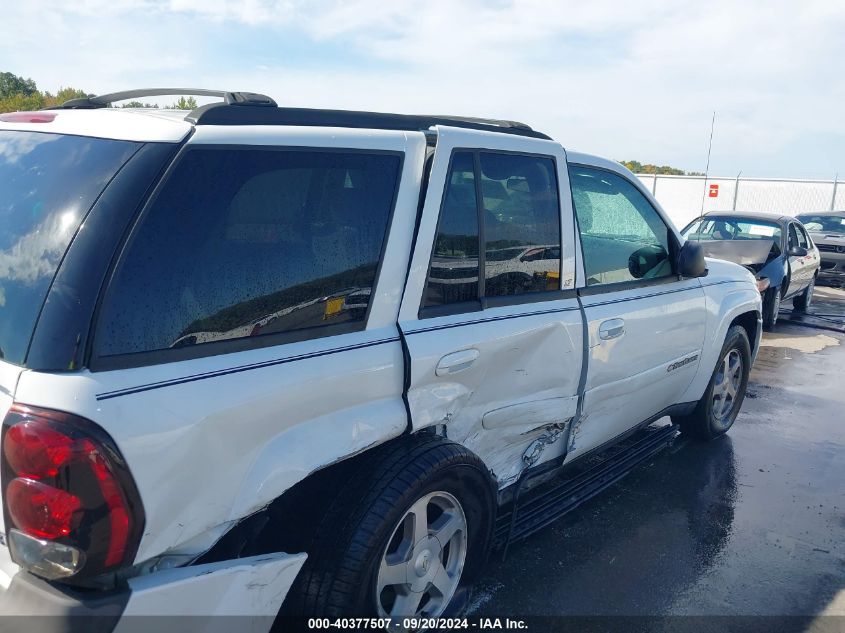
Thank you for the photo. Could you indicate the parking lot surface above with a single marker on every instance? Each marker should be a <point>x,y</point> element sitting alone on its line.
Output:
<point>750,524</point>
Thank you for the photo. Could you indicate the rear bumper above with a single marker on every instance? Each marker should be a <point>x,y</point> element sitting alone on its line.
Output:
<point>243,594</point>
<point>832,270</point>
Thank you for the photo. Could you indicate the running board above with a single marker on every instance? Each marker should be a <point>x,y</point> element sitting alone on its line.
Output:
<point>578,483</point>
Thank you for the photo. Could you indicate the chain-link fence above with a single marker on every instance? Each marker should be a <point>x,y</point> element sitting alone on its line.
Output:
<point>685,197</point>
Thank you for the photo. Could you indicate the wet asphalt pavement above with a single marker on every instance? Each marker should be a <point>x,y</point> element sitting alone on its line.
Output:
<point>750,524</point>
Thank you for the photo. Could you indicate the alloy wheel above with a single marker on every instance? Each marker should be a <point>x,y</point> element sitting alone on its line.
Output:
<point>421,566</point>
<point>726,386</point>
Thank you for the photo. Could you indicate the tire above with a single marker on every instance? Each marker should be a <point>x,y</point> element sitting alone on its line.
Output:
<point>364,541</point>
<point>771,308</point>
<point>715,413</point>
<point>803,301</point>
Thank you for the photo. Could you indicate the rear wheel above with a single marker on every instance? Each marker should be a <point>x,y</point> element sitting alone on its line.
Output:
<point>421,566</point>
<point>802,302</point>
<point>771,308</point>
<point>401,537</point>
<point>716,411</point>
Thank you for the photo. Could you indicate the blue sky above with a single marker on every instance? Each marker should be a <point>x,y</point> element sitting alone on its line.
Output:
<point>624,80</point>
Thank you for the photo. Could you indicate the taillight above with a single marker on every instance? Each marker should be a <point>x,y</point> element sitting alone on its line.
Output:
<point>40,510</point>
<point>70,504</point>
<point>34,450</point>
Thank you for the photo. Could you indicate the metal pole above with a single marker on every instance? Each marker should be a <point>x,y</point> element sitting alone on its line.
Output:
<point>654,186</point>
<point>736,188</point>
<point>833,197</point>
<point>707,169</point>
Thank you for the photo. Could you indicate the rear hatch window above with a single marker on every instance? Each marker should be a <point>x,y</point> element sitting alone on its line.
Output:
<point>48,182</point>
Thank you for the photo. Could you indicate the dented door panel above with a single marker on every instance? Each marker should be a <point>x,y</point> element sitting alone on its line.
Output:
<point>646,368</point>
<point>524,379</point>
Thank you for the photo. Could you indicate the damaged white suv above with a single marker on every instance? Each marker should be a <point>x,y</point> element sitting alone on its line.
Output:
<point>262,360</point>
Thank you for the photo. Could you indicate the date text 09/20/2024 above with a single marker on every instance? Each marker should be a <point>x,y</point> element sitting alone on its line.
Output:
<point>413,624</point>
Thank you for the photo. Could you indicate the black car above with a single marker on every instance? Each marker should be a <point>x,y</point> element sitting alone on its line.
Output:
<point>776,248</point>
<point>827,230</point>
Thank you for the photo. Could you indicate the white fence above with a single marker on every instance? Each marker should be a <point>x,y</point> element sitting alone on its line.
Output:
<point>683,196</point>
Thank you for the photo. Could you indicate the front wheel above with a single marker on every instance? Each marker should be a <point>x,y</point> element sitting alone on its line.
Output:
<point>802,302</point>
<point>716,411</point>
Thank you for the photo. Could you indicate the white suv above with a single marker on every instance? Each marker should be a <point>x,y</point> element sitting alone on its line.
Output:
<point>260,360</point>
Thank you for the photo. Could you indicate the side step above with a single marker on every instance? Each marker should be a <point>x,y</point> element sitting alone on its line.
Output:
<point>579,482</point>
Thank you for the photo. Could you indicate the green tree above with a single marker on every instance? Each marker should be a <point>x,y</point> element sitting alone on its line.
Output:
<point>64,94</point>
<point>19,101</point>
<point>12,85</point>
<point>137,104</point>
<point>639,168</point>
<point>17,93</point>
<point>183,104</point>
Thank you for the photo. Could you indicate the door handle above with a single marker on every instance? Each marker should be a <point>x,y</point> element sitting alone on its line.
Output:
<point>613,328</point>
<point>455,362</point>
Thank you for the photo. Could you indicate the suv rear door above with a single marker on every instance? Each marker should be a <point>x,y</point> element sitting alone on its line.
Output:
<point>503,347</point>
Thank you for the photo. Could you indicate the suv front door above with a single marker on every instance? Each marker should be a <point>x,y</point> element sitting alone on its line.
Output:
<point>645,325</point>
<point>490,316</point>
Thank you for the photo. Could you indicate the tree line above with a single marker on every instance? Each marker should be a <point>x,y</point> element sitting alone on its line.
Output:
<point>638,168</point>
<point>17,93</point>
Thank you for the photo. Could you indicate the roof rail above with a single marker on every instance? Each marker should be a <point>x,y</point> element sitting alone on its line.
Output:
<point>223,114</point>
<point>229,98</point>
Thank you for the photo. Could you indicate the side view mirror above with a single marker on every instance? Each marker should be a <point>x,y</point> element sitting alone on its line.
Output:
<point>644,260</point>
<point>797,251</point>
<point>691,260</point>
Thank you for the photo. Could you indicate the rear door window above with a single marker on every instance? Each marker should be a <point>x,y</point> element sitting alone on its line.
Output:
<point>453,276</point>
<point>510,204</point>
<point>48,183</point>
<point>521,224</point>
<point>252,243</point>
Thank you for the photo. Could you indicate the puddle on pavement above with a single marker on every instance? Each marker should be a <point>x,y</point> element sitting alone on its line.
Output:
<point>800,342</point>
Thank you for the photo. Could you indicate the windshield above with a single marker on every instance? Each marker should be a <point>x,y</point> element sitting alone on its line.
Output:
<point>48,182</point>
<point>824,223</point>
<point>727,228</point>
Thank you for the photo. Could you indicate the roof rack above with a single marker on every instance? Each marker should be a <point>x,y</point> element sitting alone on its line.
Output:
<point>229,98</point>
<point>231,112</point>
<point>225,114</point>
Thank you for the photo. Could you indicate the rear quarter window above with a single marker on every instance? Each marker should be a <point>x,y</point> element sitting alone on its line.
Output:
<point>256,246</point>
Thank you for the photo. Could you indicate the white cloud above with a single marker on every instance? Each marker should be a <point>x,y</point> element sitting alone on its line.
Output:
<point>14,146</point>
<point>629,80</point>
<point>35,255</point>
